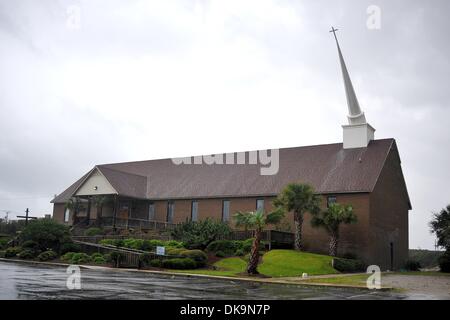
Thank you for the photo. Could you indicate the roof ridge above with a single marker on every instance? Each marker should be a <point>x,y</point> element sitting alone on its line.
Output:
<point>201,155</point>
<point>104,166</point>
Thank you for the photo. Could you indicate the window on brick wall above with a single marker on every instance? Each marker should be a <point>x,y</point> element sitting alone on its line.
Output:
<point>151,211</point>
<point>170,211</point>
<point>259,204</point>
<point>194,211</point>
<point>226,210</point>
<point>66,215</point>
<point>331,200</point>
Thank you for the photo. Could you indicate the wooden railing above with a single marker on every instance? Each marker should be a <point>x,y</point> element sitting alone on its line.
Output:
<point>129,257</point>
<point>136,223</point>
<point>97,239</point>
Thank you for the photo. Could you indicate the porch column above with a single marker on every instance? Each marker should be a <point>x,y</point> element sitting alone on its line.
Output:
<point>114,212</point>
<point>88,213</point>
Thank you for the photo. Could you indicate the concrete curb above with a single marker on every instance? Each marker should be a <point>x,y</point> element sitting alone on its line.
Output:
<point>188,275</point>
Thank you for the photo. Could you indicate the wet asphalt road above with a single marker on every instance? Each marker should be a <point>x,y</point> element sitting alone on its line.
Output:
<point>23,281</point>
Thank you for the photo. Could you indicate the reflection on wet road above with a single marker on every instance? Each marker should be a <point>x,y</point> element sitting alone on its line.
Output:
<point>23,281</point>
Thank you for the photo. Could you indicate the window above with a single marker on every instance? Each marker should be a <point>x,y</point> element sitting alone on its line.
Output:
<point>259,204</point>
<point>151,211</point>
<point>194,211</point>
<point>226,210</point>
<point>331,200</point>
<point>66,215</point>
<point>170,211</point>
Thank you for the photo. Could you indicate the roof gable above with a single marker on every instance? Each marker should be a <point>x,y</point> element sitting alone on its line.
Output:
<point>95,184</point>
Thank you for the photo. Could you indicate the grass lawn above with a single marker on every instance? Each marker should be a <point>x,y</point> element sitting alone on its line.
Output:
<point>228,267</point>
<point>291,263</point>
<point>275,263</point>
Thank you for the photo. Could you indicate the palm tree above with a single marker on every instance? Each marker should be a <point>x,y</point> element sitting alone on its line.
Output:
<point>298,198</point>
<point>331,220</point>
<point>74,205</point>
<point>99,202</point>
<point>257,221</point>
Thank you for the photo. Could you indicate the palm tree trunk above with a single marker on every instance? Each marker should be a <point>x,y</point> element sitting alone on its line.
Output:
<point>254,254</point>
<point>334,241</point>
<point>298,220</point>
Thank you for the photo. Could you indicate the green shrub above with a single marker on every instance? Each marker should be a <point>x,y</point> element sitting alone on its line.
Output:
<point>69,247</point>
<point>27,254</point>
<point>4,242</point>
<point>67,256</point>
<point>174,251</point>
<point>239,252</point>
<point>47,255</point>
<point>93,231</point>
<point>444,262</point>
<point>48,233</point>
<point>2,253</point>
<point>30,244</point>
<point>96,255</point>
<point>199,234</point>
<point>226,246</point>
<point>348,265</point>
<point>156,263</point>
<point>179,263</point>
<point>99,260</point>
<point>131,243</point>
<point>107,242</point>
<point>198,256</point>
<point>80,257</point>
<point>174,244</point>
<point>412,265</point>
<point>11,252</point>
<point>221,254</point>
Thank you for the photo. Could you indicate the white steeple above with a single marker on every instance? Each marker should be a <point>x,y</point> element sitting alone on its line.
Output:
<point>358,133</point>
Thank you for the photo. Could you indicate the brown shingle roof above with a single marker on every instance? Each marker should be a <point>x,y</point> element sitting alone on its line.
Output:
<point>328,168</point>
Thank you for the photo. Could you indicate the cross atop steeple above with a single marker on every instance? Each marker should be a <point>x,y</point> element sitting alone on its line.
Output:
<point>334,32</point>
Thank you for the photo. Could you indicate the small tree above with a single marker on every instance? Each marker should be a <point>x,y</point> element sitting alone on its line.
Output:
<point>47,233</point>
<point>74,205</point>
<point>100,202</point>
<point>298,198</point>
<point>256,221</point>
<point>440,225</point>
<point>331,219</point>
<point>199,234</point>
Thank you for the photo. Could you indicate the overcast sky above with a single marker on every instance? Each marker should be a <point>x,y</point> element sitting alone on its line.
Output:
<point>90,82</point>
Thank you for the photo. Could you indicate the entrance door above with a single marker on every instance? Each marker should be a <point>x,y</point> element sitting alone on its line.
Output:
<point>392,255</point>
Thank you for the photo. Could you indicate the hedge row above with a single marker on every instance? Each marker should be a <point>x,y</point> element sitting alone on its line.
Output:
<point>141,244</point>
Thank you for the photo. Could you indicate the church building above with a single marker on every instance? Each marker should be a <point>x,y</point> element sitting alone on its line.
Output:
<point>361,171</point>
